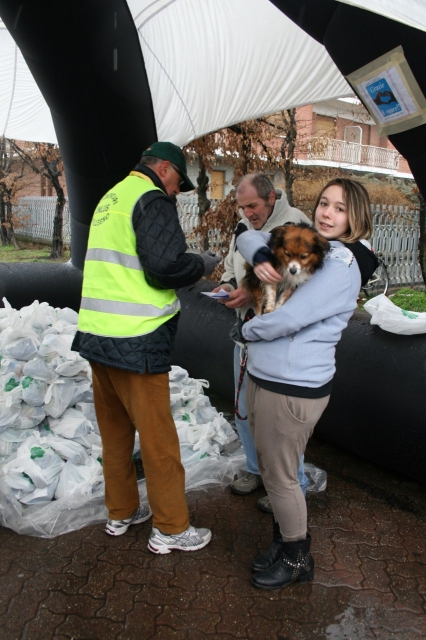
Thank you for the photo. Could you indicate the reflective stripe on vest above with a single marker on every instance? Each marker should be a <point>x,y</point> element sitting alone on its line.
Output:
<point>116,299</point>
<point>115,257</point>
<point>128,308</point>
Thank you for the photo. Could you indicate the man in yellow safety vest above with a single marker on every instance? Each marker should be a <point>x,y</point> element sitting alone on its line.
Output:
<point>136,258</point>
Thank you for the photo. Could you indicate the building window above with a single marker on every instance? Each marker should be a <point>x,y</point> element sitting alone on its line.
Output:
<point>217,184</point>
<point>353,133</point>
<point>325,127</point>
<point>46,187</point>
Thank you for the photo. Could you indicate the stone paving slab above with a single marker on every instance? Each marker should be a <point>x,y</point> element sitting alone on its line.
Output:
<point>369,544</point>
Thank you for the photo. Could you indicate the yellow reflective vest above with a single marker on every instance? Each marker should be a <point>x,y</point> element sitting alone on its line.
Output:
<point>116,299</point>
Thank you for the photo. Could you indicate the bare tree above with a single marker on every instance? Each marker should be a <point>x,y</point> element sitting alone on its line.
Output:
<point>45,159</point>
<point>254,145</point>
<point>11,172</point>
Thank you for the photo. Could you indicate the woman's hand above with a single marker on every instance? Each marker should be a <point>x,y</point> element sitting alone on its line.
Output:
<point>266,272</point>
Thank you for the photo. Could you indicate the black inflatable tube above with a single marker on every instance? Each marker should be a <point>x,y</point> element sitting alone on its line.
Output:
<point>378,404</point>
<point>58,284</point>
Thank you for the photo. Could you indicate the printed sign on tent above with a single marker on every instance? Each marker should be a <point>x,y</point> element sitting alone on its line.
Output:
<point>390,92</point>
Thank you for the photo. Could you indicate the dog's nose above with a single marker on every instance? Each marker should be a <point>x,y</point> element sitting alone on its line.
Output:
<point>293,271</point>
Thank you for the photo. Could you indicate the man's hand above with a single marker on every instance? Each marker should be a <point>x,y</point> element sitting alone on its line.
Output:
<point>210,260</point>
<point>225,287</point>
<point>266,272</point>
<point>237,298</point>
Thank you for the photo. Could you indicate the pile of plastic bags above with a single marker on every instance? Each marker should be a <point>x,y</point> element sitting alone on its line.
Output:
<point>51,477</point>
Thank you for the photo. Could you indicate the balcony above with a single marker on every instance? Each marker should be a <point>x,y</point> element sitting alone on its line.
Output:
<point>351,153</point>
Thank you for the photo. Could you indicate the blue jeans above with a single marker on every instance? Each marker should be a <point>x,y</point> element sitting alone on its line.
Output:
<point>243,427</point>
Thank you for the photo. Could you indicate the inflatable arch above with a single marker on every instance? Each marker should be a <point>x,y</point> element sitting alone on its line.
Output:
<point>105,79</point>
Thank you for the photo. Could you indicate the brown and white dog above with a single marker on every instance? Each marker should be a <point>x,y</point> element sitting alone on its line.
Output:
<point>297,252</point>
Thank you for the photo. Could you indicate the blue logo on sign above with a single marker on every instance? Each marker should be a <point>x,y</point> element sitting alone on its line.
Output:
<point>383,96</point>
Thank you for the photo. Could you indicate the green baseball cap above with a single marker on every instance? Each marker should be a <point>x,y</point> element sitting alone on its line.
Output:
<point>174,154</point>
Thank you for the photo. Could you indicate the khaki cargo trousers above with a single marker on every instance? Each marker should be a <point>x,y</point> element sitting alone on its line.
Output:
<point>126,402</point>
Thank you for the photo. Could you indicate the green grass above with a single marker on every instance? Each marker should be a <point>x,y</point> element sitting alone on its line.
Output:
<point>409,299</point>
<point>30,252</point>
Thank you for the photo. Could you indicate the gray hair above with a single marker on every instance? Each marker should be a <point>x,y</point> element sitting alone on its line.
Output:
<point>149,161</point>
<point>260,181</point>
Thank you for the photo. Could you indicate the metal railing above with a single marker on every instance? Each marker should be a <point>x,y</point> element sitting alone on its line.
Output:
<point>396,233</point>
<point>352,153</point>
<point>396,236</point>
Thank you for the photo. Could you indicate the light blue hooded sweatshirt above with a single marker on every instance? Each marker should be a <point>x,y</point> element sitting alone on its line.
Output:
<point>296,344</point>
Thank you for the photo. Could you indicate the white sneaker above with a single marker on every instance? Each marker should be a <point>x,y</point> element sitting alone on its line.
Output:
<point>247,484</point>
<point>118,527</point>
<point>190,540</point>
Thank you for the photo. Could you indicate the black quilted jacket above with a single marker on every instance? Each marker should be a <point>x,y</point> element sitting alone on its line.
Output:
<point>161,247</point>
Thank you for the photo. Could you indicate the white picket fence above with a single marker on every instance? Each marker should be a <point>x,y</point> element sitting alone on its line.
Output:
<point>396,233</point>
<point>37,215</point>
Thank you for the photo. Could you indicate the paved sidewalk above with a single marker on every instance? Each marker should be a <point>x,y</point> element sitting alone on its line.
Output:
<point>368,531</point>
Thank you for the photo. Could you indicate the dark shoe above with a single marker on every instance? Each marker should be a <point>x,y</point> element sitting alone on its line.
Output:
<point>295,565</point>
<point>269,557</point>
<point>247,484</point>
<point>264,504</point>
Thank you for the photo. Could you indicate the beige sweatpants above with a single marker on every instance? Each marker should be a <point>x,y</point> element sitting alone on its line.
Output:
<point>281,427</point>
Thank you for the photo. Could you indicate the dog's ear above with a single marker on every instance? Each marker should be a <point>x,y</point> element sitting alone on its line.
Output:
<point>323,244</point>
<point>277,237</point>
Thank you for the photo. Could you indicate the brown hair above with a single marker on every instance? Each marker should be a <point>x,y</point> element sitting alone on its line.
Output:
<point>357,203</point>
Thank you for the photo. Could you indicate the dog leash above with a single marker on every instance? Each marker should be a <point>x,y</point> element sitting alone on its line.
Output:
<point>243,368</point>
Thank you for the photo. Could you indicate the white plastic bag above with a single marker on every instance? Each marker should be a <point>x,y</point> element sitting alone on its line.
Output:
<point>29,417</point>
<point>391,318</point>
<point>34,460</point>
<point>39,369</point>
<point>53,345</point>
<point>7,365</point>
<point>33,391</point>
<point>10,400</point>
<point>71,424</point>
<point>11,439</point>
<point>81,388</point>
<point>19,345</point>
<point>38,315</point>
<point>70,365</point>
<point>87,409</point>
<point>79,478</point>
<point>67,449</point>
<point>10,389</point>
<point>59,396</point>
<point>8,414</point>
<point>68,315</point>
<point>40,496</point>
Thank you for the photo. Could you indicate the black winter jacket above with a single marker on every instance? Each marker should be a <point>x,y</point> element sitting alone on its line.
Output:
<point>161,247</point>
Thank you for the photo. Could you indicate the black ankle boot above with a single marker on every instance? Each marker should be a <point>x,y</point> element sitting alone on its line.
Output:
<point>295,565</point>
<point>271,555</point>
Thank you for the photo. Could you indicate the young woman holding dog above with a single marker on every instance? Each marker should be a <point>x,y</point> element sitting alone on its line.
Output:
<point>291,365</point>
